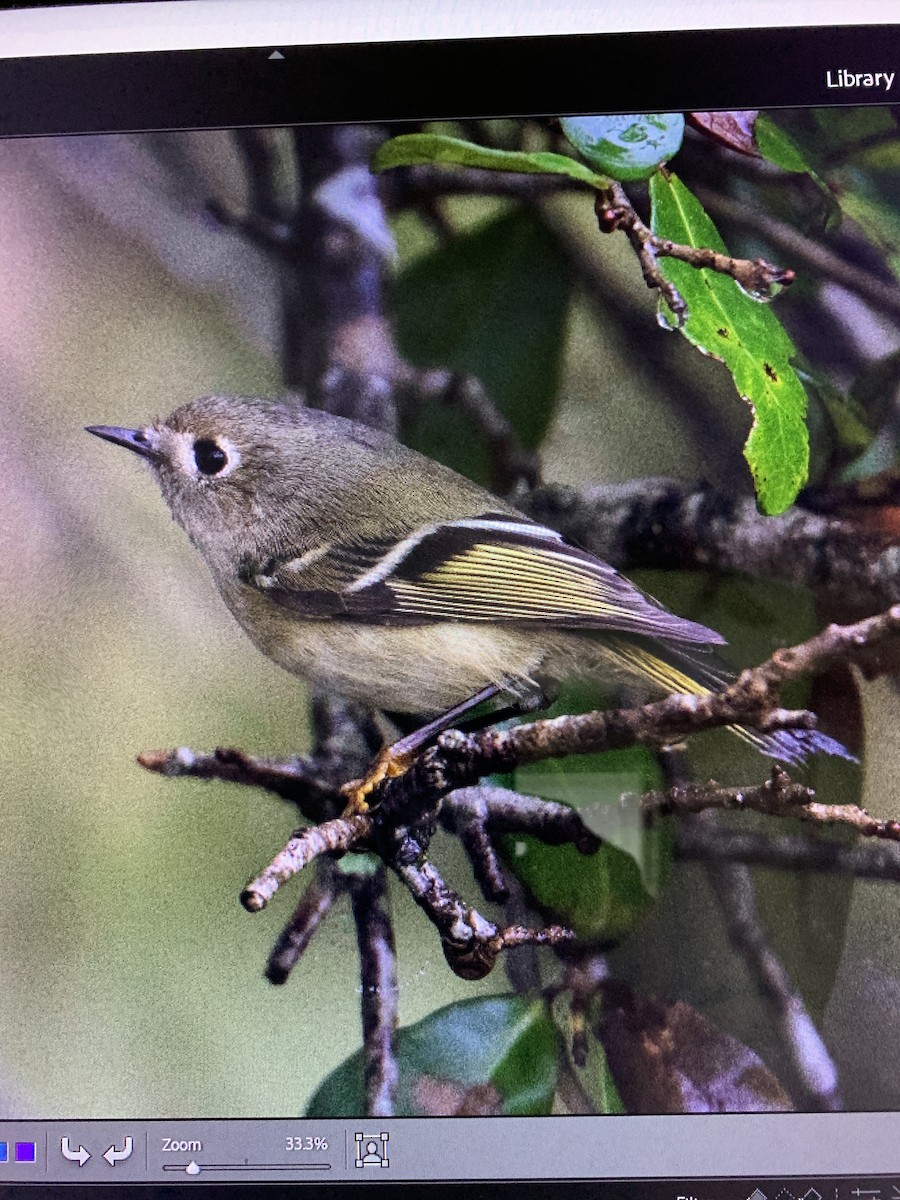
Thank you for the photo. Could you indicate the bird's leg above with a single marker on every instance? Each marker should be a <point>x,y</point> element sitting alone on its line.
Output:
<point>398,757</point>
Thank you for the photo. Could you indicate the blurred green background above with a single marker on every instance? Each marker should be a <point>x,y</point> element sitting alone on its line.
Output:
<point>132,978</point>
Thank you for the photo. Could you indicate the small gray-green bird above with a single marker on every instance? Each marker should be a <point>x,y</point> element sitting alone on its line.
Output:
<point>375,572</point>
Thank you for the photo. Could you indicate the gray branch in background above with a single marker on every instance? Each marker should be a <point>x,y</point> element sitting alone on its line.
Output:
<point>337,354</point>
<point>815,1083</point>
<point>876,860</point>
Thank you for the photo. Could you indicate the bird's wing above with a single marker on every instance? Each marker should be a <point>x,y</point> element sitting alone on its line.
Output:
<point>497,567</point>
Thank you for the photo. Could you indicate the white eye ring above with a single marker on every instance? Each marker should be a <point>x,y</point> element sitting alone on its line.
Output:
<point>200,457</point>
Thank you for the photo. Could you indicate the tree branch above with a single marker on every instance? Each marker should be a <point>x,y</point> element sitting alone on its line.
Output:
<point>803,250</point>
<point>788,852</point>
<point>379,1002</point>
<point>816,1081</point>
<point>666,523</point>
<point>314,906</point>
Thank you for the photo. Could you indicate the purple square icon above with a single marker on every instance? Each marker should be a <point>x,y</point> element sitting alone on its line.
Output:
<point>26,1152</point>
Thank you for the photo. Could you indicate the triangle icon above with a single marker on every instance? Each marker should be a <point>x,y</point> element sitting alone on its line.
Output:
<point>276,54</point>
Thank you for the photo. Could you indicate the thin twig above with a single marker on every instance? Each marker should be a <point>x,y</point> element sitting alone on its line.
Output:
<point>476,814</point>
<point>471,943</point>
<point>314,906</point>
<point>511,465</point>
<point>776,795</point>
<point>756,276</point>
<point>804,251</point>
<point>305,845</point>
<point>297,779</point>
<point>378,976</point>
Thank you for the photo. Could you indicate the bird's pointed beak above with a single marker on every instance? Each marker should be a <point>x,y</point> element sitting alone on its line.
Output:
<point>141,441</point>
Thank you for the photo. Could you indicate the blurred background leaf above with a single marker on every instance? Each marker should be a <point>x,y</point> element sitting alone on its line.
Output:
<point>495,1056</point>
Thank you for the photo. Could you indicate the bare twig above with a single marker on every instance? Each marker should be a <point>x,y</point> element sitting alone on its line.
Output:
<point>476,814</point>
<point>756,276</point>
<point>459,760</point>
<point>789,852</point>
<point>776,795</point>
<point>314,906</point>
<point>470,942</point>
<point>511,465</point>
<point>803,250</point>
<point>298,780</point>
<point>306,844</point>
<point>816,1080</point>
<point>375,937</point>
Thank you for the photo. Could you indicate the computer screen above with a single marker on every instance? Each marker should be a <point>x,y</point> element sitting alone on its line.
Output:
<point>450,599</point>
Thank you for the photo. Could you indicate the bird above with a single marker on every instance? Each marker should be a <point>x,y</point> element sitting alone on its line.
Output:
<point>382,575</point>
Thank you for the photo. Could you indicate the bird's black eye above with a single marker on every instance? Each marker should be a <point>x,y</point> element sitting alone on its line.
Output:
<point>209,456</point>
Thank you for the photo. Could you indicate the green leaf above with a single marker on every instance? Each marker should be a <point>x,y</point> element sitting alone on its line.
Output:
<point>779,147</point>
<point>853,430</point>
<point>414,149</point>
<point>491,303</point>
<point>499,1054</point>
<point>728,325</point>
<point>602,896</point>
<point>626,146</point>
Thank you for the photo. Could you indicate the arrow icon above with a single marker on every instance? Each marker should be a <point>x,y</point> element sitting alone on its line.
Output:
<point>114,1155</point>
<point>80,1155</point>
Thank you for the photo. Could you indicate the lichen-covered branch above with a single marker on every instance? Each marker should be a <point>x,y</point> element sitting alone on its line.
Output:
<point>331,837</point>
<point>459,760</point>
<point>477,814</point>
<point>298,780</point>
<point>471,943</point>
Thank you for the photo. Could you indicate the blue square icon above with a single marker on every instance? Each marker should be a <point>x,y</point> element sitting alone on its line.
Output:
<point>26,1152</point>
<point>4,1152</point>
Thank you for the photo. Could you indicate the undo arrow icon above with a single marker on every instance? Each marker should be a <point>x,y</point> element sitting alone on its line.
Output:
<point>113,1155</point>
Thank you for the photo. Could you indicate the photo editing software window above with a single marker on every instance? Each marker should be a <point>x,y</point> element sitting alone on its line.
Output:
<point>450,592</point>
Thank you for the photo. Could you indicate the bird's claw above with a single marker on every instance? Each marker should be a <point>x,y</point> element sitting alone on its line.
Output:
<point>388,765</point>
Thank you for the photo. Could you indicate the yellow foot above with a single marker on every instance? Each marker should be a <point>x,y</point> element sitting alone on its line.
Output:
<point>388,765</point>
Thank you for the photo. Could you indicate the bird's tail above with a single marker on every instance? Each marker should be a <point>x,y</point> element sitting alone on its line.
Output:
<point>697,672</point>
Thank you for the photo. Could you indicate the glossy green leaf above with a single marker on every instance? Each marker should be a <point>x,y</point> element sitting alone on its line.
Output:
<point>626,146</point>
<point>497,1055</point>
<point>491,303</point>
<point>730,326</point>
<point>415,149</point>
